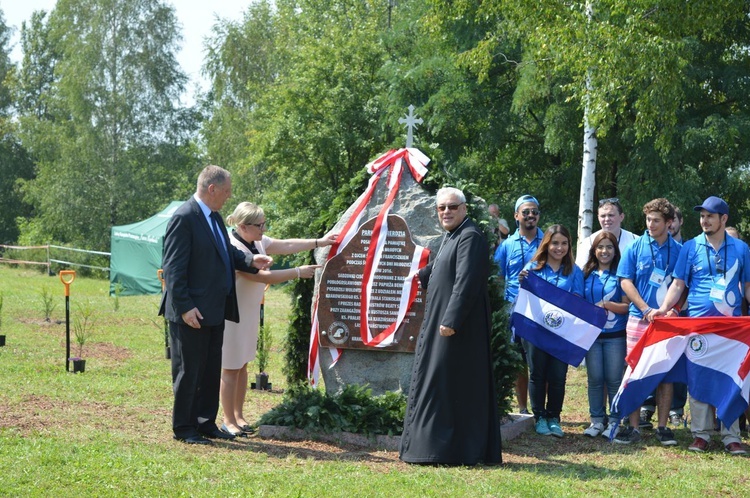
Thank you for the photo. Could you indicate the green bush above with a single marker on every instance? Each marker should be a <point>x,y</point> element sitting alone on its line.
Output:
<point>506,361</point>
<point>263,349</point>
<point>83,324</point>
<point>48,302</point>
<point>354,409</point>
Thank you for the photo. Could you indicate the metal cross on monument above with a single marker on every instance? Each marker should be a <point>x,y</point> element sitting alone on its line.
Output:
<point>411,123</point>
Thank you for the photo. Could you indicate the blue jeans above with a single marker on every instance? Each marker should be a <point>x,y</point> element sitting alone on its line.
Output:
<point>679,398</point>
<point>547,377</point>
<point>605,366</point>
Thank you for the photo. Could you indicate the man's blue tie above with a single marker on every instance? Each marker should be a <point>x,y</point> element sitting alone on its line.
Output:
<point>222,248</point>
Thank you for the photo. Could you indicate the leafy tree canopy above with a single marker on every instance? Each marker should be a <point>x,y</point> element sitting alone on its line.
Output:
<point>97,93</point>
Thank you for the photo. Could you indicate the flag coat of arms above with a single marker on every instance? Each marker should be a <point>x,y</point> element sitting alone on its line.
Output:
<point>555,320</point>
<point>711,354</point>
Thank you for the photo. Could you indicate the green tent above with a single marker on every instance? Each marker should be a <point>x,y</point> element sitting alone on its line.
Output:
<point>136,254</point>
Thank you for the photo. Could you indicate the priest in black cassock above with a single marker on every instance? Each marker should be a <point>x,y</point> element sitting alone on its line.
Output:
<point>451,413</point>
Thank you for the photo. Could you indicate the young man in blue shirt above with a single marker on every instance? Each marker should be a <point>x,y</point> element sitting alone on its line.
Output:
<point>715,268</point>
<point>511,257</point>
<point>645,272</point>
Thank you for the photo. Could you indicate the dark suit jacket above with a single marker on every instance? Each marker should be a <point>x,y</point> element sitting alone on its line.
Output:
<point>194,271</point>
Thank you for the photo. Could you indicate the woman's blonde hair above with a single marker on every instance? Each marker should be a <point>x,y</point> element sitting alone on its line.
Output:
<point>244,214</point>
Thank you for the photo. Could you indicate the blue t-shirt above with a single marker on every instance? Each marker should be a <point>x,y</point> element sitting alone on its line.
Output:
<point>511,256</point>
<point>605,286</point>
<point>638,263</point>
<point>703,268</point>
<point>571,283</point>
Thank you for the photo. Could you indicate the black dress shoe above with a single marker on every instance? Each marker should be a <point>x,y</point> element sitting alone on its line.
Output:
<point>193,440</point>
<point>226,430</point>
<point>216,434</point>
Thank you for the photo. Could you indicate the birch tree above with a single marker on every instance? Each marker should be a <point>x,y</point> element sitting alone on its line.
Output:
<point>588,173</point>
<point>626,65</point>
<point>99,88</point>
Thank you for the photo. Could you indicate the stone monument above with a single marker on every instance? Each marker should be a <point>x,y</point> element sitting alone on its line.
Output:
<point>388,309</point>
<point>378,355</point>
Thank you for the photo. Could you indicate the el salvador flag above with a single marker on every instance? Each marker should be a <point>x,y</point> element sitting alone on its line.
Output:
<point>711,354</point>
<point>555,320</point>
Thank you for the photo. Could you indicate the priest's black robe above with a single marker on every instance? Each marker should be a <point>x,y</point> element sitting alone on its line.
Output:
<point>451,414</point>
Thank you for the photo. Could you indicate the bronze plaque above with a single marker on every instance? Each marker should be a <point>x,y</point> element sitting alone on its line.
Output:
<point>340,291</point>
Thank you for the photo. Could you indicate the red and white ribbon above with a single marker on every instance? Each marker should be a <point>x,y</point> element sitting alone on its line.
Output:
<point>408,294</point>
<point>393,162</point>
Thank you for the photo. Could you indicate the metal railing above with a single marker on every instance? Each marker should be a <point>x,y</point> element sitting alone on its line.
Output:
<point>13,255</point>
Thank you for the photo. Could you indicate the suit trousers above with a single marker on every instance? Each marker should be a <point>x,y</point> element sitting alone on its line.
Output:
<point>196,377</point>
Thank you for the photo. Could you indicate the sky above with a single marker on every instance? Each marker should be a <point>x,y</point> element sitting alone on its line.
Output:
<point>195,16</point>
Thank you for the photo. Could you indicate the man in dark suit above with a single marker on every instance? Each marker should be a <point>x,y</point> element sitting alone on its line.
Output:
<point>199,264</point>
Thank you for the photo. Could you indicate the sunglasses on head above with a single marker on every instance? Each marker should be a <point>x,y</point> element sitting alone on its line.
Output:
<point>449,207</point>
<point>527,212</point>
<point>718,262</point>
<point>610,200</point>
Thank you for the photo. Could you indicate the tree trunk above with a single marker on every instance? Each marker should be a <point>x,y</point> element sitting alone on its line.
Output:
<point>588,183</point>
<point>588,173</point>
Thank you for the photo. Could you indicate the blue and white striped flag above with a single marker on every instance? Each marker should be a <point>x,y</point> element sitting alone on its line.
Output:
<point>555,320</point>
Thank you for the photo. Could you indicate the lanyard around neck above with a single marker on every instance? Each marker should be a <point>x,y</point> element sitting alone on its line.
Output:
<point>521,240</point>
<point>653,256</point>
<point>604,284</point>
<point>708,258</point>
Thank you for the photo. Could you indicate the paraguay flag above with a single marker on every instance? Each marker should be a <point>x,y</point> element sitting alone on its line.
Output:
<point>555,320</point>
<point>711,354</point>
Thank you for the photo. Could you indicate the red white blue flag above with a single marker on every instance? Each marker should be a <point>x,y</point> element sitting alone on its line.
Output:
<point>710,354</point>
<point>555,320</point>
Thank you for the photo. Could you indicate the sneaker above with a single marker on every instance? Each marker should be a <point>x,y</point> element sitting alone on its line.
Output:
<point>594,430</point>
<point>554,427</point>
<point>700,445</point>
<point>541,427</point>
<point>735,449</point>
<point>676,420</point>
<point>609,432</point>
<point>645,420</point>
<point>628,435</point>
<point>665,436</point>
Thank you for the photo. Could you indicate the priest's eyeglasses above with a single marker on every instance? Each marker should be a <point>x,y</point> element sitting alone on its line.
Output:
<point>449,207</point>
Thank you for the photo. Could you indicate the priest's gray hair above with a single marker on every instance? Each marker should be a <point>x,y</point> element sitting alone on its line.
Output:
<point>451,191</point>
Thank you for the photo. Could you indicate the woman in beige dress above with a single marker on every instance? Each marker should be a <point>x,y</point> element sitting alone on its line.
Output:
<point>241,339</point>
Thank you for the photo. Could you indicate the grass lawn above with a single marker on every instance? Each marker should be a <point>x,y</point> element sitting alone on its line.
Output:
<point>107,432</point>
